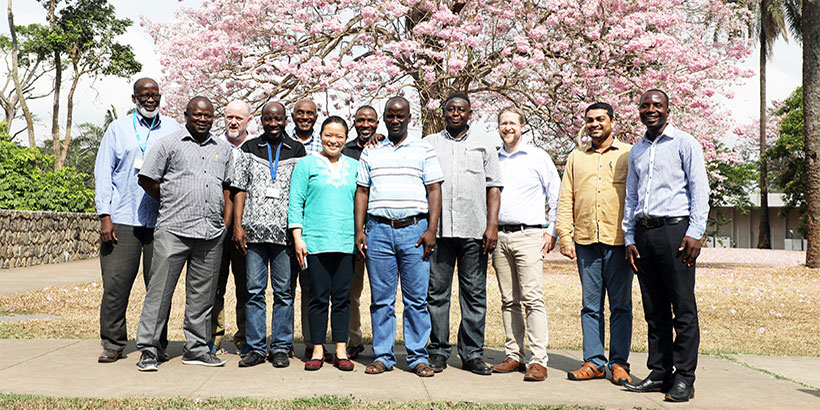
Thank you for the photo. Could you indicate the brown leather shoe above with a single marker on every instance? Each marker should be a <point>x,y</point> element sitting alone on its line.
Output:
<point>110,356</point>
<point>509,365</point>
<point>588,371</point>
<point>536,373</point>
<point>620,374</point>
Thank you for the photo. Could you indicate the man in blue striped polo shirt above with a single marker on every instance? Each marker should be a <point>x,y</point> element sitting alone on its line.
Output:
<point>400,191</point>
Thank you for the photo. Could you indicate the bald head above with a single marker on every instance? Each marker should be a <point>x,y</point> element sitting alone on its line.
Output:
<point>304,116</point>
<point>199,117</point>
<point>146,97</point>
<point>142,82</point>
<point>237,118</point>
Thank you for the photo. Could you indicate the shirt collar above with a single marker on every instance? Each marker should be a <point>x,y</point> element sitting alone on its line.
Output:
<point>294,136</point>
<point>669,131</point>
<point>450,137</point>
<point>262,142</point>
<point>187,135</point>
<point>146,122</point>
<point>614,145</point>
<point>522,149</point>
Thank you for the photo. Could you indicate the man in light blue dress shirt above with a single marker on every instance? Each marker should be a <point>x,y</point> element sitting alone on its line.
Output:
<point>127,214</point>
<point>667,203</point>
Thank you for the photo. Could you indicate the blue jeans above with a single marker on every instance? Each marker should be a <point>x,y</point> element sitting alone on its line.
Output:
<point>392,255</point>
<point>259,256</point>
<point>604,270</point>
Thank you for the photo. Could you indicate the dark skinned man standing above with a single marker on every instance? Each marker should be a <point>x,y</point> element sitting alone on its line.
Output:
<point>365,122</point>
<point>468,232</point>
<point>188,172</point>
<point>262,178</point>
<point>667,203</point>
<point>399,192</point>
<point>127,214</point>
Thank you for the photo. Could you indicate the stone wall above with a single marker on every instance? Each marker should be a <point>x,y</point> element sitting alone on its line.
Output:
<point>33,238</point>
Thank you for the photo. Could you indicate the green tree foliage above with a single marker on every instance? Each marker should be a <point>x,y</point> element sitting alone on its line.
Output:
<point>28,183</point>
<point>730,183</point>
<point>788,157</point>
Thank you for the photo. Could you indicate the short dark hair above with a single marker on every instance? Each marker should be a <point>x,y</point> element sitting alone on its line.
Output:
<point>657,90</point>
<point>333,119</point>
<point>366,107</point>
<point>601,106</point>
<point>457,94</point>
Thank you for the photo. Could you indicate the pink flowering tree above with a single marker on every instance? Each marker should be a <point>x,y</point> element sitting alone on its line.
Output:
<point>552,57</point>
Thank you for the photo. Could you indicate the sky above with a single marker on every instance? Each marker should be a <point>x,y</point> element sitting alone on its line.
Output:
<point>92,99</point>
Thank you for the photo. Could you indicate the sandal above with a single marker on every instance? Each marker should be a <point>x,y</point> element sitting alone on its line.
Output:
<point>376,367</point>
<point>423,370</point>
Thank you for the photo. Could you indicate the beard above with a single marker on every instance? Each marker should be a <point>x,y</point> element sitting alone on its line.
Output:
<point>145,112</point>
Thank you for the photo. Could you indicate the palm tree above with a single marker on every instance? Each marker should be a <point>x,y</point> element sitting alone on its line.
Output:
<point>811,121</point>
<point>775,18</point>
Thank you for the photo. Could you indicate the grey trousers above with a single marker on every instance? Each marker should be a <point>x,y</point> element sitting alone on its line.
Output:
<point>119,264</point>
<point>171,252</point>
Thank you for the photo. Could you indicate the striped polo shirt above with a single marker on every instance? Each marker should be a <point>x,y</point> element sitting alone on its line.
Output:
<point>397,177</point>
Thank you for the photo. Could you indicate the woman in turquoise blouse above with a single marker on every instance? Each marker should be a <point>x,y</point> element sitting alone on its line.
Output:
<point>320,214</point>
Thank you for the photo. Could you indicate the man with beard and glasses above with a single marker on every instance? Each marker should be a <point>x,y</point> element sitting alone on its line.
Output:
<point>188,172</point>
<point>260,229</point>
<point>127,215</point>
<point>365,123</point>
<point>237,118</point>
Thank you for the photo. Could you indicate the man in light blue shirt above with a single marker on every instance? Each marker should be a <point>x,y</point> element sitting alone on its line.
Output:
<point>667,203</point>
<point>399,190</point>
<point>127,214</point>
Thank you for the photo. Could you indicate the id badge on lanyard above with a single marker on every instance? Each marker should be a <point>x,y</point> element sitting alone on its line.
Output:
<point>272,192</point>
<point>142,144</point>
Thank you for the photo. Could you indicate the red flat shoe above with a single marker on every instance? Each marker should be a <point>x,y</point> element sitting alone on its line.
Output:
<point>314,364</point>
<point>343,364</point>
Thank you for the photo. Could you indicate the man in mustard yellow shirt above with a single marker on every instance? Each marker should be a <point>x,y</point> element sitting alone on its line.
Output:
<point>590,210</point>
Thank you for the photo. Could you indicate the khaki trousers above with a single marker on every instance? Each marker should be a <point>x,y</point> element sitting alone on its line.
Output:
<point>519,268</point>
<point>354,333</point>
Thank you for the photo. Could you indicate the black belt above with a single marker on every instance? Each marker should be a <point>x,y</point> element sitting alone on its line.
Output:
<point>649,222</point>
<point>399,223</point>
<point>517,227</point>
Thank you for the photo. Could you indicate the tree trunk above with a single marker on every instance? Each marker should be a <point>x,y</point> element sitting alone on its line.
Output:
<point>69,116</point>
<point>811,120</point>
<point>58,82</point>
<point>763,238</point>
<point>16,77</point>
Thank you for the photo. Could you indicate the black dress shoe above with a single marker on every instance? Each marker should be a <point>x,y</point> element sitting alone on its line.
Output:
<point>437,362</point>
<point>681,391</point>
<point>477,366</point>
<point>646,385</point>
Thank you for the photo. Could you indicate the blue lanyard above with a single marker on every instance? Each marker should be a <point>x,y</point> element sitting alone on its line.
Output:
<point>143,145</point>
<point>274,166</point>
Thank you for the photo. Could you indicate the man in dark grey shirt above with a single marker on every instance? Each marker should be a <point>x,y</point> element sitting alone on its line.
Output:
<point>188,173</point>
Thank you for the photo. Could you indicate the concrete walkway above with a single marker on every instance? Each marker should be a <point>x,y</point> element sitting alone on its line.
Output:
<point>68,368</point>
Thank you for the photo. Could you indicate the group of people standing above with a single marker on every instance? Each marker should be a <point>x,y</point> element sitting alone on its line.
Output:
<point>317,208</point>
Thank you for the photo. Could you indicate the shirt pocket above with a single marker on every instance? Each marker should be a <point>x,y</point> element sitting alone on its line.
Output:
<point>474,161</point>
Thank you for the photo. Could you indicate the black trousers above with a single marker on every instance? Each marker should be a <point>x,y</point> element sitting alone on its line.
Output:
<point>331,277</point>
<point>668,293</point>
<point>119,263</point>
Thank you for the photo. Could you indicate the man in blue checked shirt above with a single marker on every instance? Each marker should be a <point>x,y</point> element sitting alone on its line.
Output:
<point>127,214</point>
<point>667,203</point>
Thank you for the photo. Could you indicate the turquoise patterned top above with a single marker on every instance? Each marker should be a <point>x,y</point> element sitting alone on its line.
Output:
<point>321,203</point>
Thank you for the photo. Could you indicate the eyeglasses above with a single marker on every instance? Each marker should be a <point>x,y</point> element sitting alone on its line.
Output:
<point>146,97</point>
